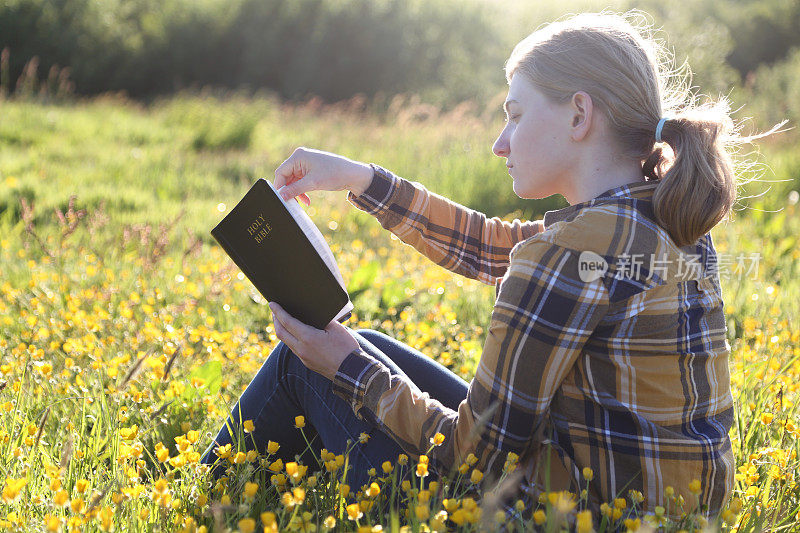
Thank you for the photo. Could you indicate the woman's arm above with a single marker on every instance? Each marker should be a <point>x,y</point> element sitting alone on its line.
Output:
<point>449,234</point>
<point>543,316</point>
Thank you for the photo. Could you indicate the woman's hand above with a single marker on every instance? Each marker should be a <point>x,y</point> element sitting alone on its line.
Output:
<point>321,350</point>
<point>315,170</point>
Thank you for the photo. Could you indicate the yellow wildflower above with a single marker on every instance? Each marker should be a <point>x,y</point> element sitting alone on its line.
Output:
<point>247,525</point>
<point>583,522</point>
<point>295,471</point>
<point>354,511</point>
<point>268,518</point>
<point>632,524</point>
<point>12,488</point>
<point>451,504</point>
<point>223,452</point>
<point>162,453</point>
<point>250,490</point>
<point>459,517</point>
<point>129,433</point>
<point>422,512</point>
<point>476,476</point>
<point>61,498</point>
<point>373,490</point>
<point>76,505</point>
<point>735,505</point>
<point>52,523</point>
<point>239,459</point>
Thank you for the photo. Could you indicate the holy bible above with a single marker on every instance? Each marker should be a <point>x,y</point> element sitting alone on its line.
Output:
<point>282,252</point>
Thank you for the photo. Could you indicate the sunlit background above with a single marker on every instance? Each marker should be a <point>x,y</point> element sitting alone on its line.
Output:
<point>128,128</point>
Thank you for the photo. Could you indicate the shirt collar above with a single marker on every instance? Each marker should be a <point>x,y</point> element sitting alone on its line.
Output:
<point>637,189</point>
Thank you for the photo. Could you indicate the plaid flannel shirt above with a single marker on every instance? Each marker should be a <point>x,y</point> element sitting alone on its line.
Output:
<point>606,348</point>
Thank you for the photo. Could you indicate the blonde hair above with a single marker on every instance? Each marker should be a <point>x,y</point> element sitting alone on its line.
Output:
<point>629,76</point>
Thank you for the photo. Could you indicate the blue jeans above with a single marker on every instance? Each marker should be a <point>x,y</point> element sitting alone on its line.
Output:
<point>284,388</point>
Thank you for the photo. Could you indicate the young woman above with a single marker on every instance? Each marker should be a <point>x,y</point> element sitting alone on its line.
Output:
<point>607,344</point>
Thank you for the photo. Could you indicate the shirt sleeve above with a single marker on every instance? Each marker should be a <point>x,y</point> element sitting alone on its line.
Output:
<point>541,320</point>
<point>451,235</point>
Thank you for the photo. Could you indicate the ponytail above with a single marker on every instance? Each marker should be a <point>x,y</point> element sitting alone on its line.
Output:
<point>698,183</point>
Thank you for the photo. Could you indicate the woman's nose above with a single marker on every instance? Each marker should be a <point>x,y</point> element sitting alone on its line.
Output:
<point>501,147</point>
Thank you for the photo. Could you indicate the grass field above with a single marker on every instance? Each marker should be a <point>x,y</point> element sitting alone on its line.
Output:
<point>126,334</point>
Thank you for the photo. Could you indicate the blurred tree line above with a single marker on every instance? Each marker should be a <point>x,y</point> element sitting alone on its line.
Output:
<point>329,48</point>
<point>446,51</point>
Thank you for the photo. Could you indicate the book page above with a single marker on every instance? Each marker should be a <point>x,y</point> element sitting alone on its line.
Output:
<point>318,241</point>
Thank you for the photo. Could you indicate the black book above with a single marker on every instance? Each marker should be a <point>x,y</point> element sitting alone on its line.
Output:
<point>282,252</point>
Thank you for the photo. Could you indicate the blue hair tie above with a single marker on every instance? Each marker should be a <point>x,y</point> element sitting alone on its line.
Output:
<point>660,127</point>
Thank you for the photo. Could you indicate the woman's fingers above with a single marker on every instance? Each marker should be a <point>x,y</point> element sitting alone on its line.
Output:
<point>303,197</point>
<point>282,182</point>
<point>289,171</point>
<point>294,327</point>
<point>297,188</point>
<point>283,334</point>
<point>292,177</point>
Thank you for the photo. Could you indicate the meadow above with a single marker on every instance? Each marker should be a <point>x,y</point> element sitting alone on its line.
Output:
<point>126,334</point>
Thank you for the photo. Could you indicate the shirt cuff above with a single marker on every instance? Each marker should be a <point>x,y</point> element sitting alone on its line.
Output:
<point>358,379</point>
<point>378,195</point>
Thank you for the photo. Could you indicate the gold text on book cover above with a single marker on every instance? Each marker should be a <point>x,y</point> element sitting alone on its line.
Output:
<point>259,229</point>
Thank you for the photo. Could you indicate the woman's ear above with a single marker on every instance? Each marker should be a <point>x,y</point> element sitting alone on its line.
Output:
<point>582,113</point>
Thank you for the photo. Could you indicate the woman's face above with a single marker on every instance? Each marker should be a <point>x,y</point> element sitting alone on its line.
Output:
<point>535,141</point>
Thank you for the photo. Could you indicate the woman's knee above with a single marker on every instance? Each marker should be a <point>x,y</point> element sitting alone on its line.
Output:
<point>371,334</point>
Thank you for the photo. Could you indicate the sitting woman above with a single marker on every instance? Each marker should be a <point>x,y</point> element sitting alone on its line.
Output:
<point>606,348</point>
